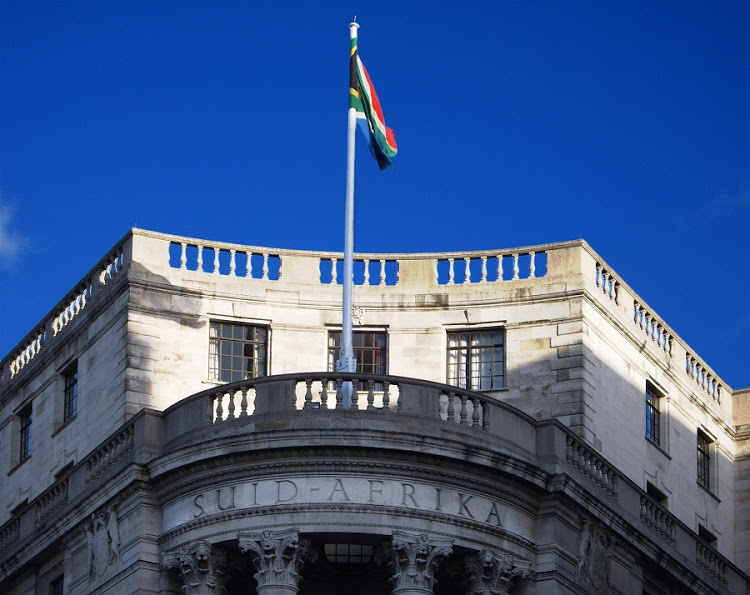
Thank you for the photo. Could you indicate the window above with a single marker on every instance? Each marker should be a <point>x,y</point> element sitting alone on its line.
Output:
<point>25,418</point>
<point>236,351</point>
<point>348,553</point>
<point>704,460</point>
<point>653,415</point>
<point>659,496</point>
<point>56,586</point>
<point>707,536</point>
<point>70,378</point>
<point>476,359</point>
<point>370,349</point>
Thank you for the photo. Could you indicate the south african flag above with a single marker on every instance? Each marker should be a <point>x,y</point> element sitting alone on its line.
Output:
<point>364,100</point>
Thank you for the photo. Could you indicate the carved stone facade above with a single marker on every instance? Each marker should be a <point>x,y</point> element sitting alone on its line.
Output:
<point>515,467</point>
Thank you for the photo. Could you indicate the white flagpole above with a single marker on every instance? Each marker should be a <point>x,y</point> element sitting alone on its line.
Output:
<point>347,362</point>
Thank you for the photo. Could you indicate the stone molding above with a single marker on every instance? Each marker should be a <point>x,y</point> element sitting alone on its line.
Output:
<point>201,566</point>
<point>492,573</point>
<point>414,559</point>
<point>279,557</point>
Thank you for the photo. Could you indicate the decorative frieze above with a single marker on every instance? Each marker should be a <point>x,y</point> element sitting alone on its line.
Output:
<point>414,559</point>
<point>201,566</point>
<point>492,573</point>
<point>278,557</point>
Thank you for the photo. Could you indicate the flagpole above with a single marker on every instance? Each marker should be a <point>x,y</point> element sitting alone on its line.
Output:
<point>347,363</point>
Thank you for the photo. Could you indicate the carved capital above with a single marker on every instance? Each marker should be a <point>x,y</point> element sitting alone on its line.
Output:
<point>201,565</point>
<point>492,573</point>
<point>278,556</point>
<point>414,559</point>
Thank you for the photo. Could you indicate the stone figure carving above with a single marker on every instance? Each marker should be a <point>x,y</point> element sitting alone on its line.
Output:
<point>595,546</point>
<point>102,541</point>
<point>414,559</point>
<point>492,573</point>
<point>279,557</point>
<point>201,566</point>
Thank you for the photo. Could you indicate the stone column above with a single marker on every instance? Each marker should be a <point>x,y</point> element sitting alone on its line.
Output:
<point>414,560</point>
<point>279,557</point>
<point>492,573</point>
<point>201,565</point>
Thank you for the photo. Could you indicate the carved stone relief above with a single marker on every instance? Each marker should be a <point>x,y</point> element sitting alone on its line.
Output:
<point>201,566</point>
<point>595,545</point>
<point>103,542</point>
<point>279,557</point>
<point>414,559</point>
<point>492,573</point>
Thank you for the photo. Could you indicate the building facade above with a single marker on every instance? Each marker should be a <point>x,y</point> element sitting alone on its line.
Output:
<point>522,423</point>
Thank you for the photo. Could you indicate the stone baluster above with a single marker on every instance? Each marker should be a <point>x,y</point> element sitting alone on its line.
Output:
<point>308,394</point>
<point>617,292</point>
<point>265,266</point>
<point>484,269</point>
<point>493,573</point>
<point>467,270</point>
<point>243,403</point>
<point>201,566</point>
<point>230,406</point>
<point>475,418</point>
<point>339,383</point>
<point>382,272</point>
<point>450,271</point>
<point>414,559</point>
<point>199,263</point>
<point>451,407</point>
<point>278,557</point>
<point>232,261</point>
<point>387,397</point>
<point>249,265</point>
<point>598,275</point>
<point>436,270</point>
<point>499,267</point>
<point>515,265</point>
<point>183,255</point>
<point>366,262</point>
<point>219,408</point>
<point>532,265</point>
<point>324,394</point>
<point>334,273</point>
<point>464,411</point>
<point>216,261</point>
<point>370,395</point>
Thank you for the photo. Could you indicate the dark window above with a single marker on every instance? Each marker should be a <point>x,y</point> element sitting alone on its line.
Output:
<point>236,351</point>
<point>70,377</point>
<point>656,494</point>
<point>653,415</point>
<point>476,359</point>
<point>704,460</point>
<point>707,536</point>
<point>56,586</point>
<point>370,350</point>
<point>348,553</point>
<point>25,419</point>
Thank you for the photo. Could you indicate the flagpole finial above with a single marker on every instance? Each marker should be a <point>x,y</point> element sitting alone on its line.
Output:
<point>353,26</point>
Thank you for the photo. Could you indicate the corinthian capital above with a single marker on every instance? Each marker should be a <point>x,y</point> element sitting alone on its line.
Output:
<point>278,557</point>
<point>201,565</point>
<point>492,573</point>
<point>414,559</point>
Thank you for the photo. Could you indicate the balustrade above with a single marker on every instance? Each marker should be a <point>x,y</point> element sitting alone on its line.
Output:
<point>366,271</point>
<point>608,283</point>
<point>591,465</point>
<point>653,328</point>
<point>705,380</point>
<point>659,520</point>
<point>51,501</point>
<point>111,452</point>
<point>710,560</point>
<point>225,260</point>
<point>490,269</point>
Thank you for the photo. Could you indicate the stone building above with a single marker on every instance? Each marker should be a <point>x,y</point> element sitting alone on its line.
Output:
<point>522,423</point>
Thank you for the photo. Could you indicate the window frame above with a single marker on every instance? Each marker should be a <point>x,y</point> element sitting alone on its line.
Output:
<point>70,392</point>
<point>654,426</point>
<point>454,377</point>
<point>704,456</point>
<point>25,433</point>
<point>216,355</point>
<point>333,351</point>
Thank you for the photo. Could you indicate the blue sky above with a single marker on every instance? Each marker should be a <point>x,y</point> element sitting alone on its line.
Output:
<point>518,123</point>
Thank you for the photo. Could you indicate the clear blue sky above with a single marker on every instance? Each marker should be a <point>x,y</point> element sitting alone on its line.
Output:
<point>518,122</point>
